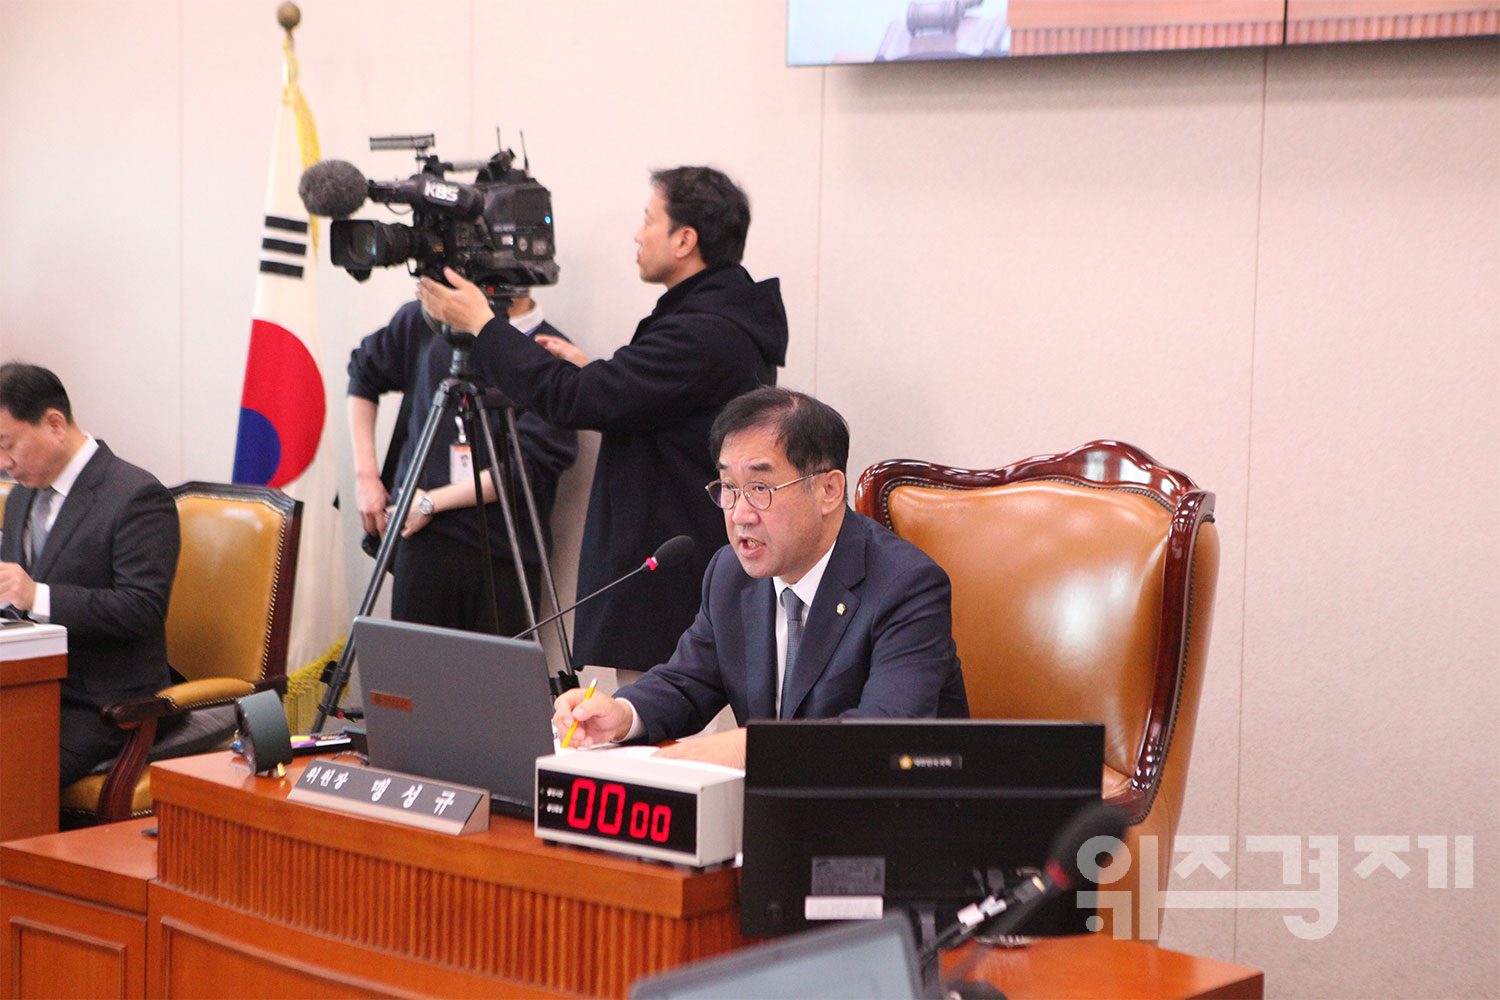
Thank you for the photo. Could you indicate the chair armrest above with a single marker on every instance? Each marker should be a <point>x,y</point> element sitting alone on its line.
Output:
<point>1135,803</point>
<point>119,784</point>
<point>177,699</point>
<point>209,691</point>
<point>139,717</point>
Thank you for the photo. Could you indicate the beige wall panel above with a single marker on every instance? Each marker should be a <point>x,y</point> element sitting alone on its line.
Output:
<point>231,73</point>
<point>1371,598</point>
<point>90,267</point>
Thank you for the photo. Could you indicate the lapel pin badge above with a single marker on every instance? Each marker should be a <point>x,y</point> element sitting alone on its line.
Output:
<point>840,609</point>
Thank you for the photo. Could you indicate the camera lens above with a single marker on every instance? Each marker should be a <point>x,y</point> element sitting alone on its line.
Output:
<point>364,246</point>
<point>361,243</point>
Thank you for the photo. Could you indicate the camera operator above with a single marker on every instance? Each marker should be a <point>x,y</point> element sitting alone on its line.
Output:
<point>438,579</point>
<point>714,334</point>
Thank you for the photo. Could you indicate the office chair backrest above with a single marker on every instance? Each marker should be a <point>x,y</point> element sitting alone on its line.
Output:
<point>1056,599</point>
<point>231,599</point>
<point>1083,588</point>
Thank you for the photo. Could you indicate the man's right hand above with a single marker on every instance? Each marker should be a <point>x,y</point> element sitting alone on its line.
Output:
<point>460,303</point>
<point>371,497</point>
<point>601,719</point>
<point>17,588</point>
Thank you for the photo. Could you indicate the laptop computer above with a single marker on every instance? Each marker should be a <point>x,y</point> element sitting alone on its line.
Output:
<point>865,959</point>
<point>464,707</point>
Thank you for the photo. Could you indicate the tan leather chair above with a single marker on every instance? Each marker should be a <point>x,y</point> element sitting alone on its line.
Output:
<point>1083,588</point>
<point>227,630</point>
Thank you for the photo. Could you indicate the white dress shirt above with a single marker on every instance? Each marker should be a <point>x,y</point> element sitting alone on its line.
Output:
<point>805,589</point>
<point>41,604</point>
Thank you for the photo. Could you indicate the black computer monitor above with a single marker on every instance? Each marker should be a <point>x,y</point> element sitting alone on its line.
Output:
<point>850,819</point>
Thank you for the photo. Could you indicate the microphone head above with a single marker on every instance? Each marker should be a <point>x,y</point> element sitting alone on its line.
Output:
<point>332,188</point>
<point>1093,820</point>
<point>672,551</point>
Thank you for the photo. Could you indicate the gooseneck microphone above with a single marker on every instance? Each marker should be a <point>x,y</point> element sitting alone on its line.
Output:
<point>332,188</point>
<point>670,553</point>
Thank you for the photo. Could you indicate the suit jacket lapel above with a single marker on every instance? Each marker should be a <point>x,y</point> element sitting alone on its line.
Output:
<point>17,505</point>
<point>72,513</point>
<point>758,617</point>
<point>826,622</point>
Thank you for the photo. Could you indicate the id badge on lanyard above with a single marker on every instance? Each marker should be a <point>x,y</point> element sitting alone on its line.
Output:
<point>460,458</point>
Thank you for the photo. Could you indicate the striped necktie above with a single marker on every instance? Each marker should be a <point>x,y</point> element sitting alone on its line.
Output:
<point>36,537</point>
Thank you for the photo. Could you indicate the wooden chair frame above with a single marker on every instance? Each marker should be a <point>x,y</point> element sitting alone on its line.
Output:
<point>1109,465</point>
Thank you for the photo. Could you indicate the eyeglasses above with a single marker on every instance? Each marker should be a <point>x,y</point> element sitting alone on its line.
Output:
<point>757,495</point>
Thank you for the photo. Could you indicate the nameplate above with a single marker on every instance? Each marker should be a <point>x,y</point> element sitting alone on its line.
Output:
<point>395,797</point>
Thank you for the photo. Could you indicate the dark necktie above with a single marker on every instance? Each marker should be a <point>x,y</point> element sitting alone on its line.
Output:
<point>36,538</point>
<point>793,606</point>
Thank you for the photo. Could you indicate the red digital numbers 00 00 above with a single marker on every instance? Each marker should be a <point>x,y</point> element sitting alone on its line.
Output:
<point>645,820</point>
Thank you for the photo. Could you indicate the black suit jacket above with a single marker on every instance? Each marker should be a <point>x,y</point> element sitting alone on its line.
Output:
<point>109,561</point>
<point>710,338</point>
<point>876,642</point>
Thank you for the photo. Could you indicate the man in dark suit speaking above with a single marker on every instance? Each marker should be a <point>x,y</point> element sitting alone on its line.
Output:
<point>811,611</point>
<point>90,543</point>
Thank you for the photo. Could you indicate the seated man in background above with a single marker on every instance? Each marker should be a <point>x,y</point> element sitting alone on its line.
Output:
<point>90,543</point>
<point>811,611</point>
<point>439,578</point>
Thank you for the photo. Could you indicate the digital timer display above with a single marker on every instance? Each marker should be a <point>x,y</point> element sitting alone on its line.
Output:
<point>617,811</point>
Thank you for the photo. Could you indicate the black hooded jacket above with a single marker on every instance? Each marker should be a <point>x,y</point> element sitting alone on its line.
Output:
<point>710,338</point>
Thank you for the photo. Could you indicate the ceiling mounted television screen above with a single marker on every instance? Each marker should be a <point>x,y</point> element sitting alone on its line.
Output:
<point>829,32</point>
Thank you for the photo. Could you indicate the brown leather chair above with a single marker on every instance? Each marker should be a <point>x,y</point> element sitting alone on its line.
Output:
<point>227,631</point>
<point>1083,588</point>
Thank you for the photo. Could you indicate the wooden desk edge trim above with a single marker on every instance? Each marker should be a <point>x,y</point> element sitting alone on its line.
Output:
<point>33,670</point>
<point>106,877</point>
<point>94,904</point>
<point>1055,965</point>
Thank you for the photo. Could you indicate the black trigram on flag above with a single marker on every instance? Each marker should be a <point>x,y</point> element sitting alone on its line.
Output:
<point>283,247</point>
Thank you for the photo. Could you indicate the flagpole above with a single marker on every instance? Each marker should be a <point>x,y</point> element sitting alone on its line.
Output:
<point>288,15</point>
<point>283,438</point>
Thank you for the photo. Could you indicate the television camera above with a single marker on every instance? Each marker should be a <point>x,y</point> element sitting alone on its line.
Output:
<point>497,232</point>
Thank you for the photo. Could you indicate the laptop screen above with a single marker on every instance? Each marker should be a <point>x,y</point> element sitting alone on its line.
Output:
<point>457,706</point>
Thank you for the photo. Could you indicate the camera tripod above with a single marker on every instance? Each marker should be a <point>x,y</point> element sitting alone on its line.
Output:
<point>461,391</point>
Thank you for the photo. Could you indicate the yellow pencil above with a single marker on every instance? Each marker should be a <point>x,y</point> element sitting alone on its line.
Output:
<point>586,696</point>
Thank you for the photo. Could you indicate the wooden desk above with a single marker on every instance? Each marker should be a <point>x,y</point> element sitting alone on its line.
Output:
<point>258,896</point>
<point>281,898</point>
<point>73,912</point>
<point>33,658</point>
<point>1093,967</point>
